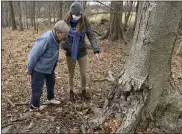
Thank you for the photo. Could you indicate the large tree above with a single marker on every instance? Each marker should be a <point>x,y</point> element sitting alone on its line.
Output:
<point>144,94</point>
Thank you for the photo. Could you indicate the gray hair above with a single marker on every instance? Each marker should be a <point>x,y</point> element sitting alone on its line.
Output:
<point>62,27</point>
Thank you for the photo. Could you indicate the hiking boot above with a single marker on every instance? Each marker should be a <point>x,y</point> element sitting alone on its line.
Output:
<point>54,101</point>
<point>85,95</point>
<point>72,95</point>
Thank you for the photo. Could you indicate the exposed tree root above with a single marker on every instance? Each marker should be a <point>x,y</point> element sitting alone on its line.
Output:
<point>128,109</point>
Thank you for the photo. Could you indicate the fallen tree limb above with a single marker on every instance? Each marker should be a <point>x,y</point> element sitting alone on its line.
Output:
<point>97,33</point>
<point>84,127</point>
<point>8,100</point>
<point>27,116</point>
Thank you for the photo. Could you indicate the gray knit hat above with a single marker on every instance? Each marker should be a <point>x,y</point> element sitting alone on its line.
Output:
<point>76,8</point>
<point>62,26</point>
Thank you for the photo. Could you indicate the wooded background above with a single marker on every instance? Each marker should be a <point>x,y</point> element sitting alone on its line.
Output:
<point>26,14</point>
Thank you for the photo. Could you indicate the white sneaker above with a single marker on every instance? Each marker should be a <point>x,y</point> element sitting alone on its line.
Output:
<point>33,109</point>
<point>54,101</point>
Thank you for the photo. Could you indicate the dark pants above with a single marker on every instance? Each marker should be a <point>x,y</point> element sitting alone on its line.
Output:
<point>37,85</point>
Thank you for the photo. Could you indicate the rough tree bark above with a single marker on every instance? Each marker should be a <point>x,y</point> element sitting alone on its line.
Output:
<point>145,94</point>
<point>115,30</point>
<point>12,16</point>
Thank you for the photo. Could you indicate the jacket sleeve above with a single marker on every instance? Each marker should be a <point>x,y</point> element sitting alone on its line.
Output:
<point>91,36</point>
<point>37,50</point>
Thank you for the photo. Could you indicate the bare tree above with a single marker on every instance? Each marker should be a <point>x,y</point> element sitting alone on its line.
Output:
<point>26,12</point>
<point>12,16</point>
<point>4,15</point>
<point>20,16</point>
<point>127,13</point>
<point>137,10</point>
<point>115,30</point>
<point>83,3</point>
<point>144,93</point>
<point>60,10</point>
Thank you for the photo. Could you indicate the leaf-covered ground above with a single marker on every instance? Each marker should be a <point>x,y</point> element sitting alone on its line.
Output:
<point>66,117</point>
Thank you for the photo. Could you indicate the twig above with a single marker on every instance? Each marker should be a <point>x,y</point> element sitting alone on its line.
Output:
<point>97,33</point>
<point>85,124</point>
<point>8,100</point>
<point>100,80</point>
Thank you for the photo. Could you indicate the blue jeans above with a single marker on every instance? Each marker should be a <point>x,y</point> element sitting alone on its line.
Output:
<point>37,85</point>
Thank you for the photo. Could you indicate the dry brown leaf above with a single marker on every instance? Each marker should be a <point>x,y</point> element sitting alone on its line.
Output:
<point>74,130</point>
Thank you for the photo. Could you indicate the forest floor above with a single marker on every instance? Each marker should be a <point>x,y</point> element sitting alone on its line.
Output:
<point>68,116</point>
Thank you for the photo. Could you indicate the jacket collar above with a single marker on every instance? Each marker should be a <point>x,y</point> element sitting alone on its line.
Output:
<point>53,36</point>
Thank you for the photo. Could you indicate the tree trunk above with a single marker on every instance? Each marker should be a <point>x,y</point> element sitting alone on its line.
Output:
<point>33,14</point>
<point>12,16</point>
<point>144,95</point>
<point>84,3</point>
<point>115,31</point>
<point>26,13</point>
<point>137,9</point>
<point>49,14</point>
<point>20,18</point>
<point>3,23</point>
<point>60,10</point>
<point>127,14</point>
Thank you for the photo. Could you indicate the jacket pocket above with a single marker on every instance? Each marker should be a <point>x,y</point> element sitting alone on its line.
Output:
<point>48,53</point>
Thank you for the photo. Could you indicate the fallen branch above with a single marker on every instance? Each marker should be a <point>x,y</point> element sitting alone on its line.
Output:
<point>27,116</point>
<point>110,78</point>
<point>85,124</point>
<point>8,100</point>
<point>97,33</point>
<point>100,80</point>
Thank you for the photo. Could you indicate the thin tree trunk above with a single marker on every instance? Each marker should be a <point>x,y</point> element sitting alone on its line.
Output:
<point>144,95</point>
<point>20,18</point>
<point>3,15</point>
<point>128,15</point>
<point>84,3</point>
<point>26,14</point>
<point>33,12</point>
<point>49,14</point>
<point>60,10</point>
<point>12,16</point>
<point>137,10</point>
<point>115,31</point>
